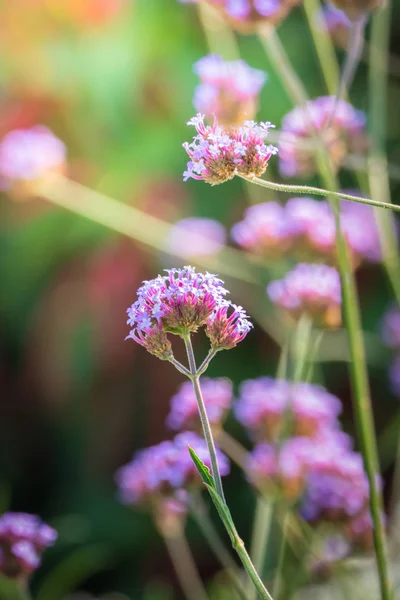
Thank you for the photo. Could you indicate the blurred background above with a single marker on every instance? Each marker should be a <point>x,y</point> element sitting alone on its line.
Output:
<point>113,79</point>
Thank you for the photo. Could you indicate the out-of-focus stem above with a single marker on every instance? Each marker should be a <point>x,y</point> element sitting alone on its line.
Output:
<point>220,37</point>
<point>259,538</point>
<point>278,582</point>
<point>232,448</point>
<point>308,189</point>
<point>185,567</point>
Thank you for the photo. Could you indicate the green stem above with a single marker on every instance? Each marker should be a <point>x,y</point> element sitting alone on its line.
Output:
<point>250,569</point>
<point>204,417</point>
<point>179,367</point>
<point>278,582</point>
<point>260,535</point>
<point>308,189</point>
<point>185,567</point>
<point>204,365</point>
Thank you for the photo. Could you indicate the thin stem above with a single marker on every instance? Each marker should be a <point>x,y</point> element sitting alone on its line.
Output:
<point>308,189</point>
<point>204,417</point>
<point>260,535</point>
<point>204,365</point>
<point>185,567</point>
<point>250,569</point>
<point>232,448</point>
<point>181,368</point>
<point>301,346</point>
<point>278,582</point>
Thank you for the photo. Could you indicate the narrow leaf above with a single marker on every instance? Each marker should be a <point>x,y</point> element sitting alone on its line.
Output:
<point>224,513</point>
<point>204,471</point>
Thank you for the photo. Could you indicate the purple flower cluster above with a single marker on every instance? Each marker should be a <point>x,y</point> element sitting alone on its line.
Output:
<point>264,402</point>
<point>248,16</point>
<point>228,90</point>
<point>196,236</point>
<point>306,228</point>
<point>28,154</point>
<point>312,289</point>
<point>181,302</point>
<point>340,127</point>
<point>23,539</point>
<point>161,472</point>
<point>217,394</point>
<point>334,21</point>
<point>217,154</point>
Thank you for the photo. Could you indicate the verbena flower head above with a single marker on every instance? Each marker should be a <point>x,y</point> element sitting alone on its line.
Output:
<point>26,155</point>
<point>23,539</point>
<point>334,21</point>
<point>248,16</point>
<point>228,90</point>
<point>391,328</point>
<point>394,376</point>
<point>217,394</point>
<point>181,302</point>
<point>159,472</point>
<point>341,128</point>
<point>310,289</point>
<point>265,405</point>
<point>265,229</point>
<point>196,236</point>
<point>218,154</point>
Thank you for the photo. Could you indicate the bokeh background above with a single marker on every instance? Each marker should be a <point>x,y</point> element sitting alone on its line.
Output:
<point>113,79</point>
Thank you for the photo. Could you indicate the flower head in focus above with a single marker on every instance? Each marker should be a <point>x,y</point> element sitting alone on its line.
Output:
<point>217,154</point>
<point>181,302</point>
<point>341,127</point>
<point>23,539</point>
<point>311,289</point>
<point>228,90</point>
<point>196,236</point>
<point>217,395</point>
<point>27,156</point>
<point>334,21</point>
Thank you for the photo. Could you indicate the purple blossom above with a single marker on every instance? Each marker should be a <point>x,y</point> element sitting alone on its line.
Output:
<point>228,90</point>
<point>394,376</point>
<point>217,395</point>
<point>331,550</point>
<point>265,403</point>
<point>27,154</point>
<point>181,302</point>
<point>217,154</point>
<point>391,328</point>
<point>341,127</point>
<point>23,538</point>
<point>196,236</point>
<point>159,472</point>
<point>265,229</point>
<point>311,289</point>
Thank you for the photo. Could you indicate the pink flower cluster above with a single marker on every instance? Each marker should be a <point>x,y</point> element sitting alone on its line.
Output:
<point>23,539</point>
<point>311,289</point>
<point>306,228</point>
<point>181,302</point>
<point>217,154</point>
<point>338,126</point>
<point>196,236</point>
<point>162,471</point>
<point>217,394</point>
<point>228,90</point>
<point>28,154</point>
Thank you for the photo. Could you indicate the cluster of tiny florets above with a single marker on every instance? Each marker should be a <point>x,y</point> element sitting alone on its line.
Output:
<point>217,394</point>
<point>23,539</point>
<point>336,124</point>
<point>311,289</point>
<point>181,302</point>
<point>196,236</point>
<point>218,154</point>
<point>228,90</point>
<point>306,228</point>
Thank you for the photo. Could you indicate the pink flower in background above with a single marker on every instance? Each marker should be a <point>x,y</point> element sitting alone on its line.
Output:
<point>196,236</point>
<point>228,90</point>
<point>334,21</point>
<point>341,127</point>
<point>311,289</point>
<point>218,154</point>
<point>217,394</point>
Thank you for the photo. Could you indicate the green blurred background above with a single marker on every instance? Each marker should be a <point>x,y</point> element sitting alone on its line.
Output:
<point>114,81</point>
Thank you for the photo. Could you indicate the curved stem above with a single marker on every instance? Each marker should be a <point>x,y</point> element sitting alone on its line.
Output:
<point>308,189</point>
<point>185,567</point>
<point>204,417</point>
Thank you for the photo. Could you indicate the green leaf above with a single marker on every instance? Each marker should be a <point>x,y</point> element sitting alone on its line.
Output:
<point>203,470</point>
<point>224,514</point>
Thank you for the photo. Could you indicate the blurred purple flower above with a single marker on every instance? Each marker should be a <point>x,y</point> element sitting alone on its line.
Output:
<point>217,154</point>
<point>28,154</point>
<point>334,21</point>
<point>311,289</point>
<point>391,328</point>
<point>158,472</point>
<point>23,538</point>
<point>217,395</point>
<point>196,236</point>
<point>265,229</point>
<point>342,129</point>
<point>228,90</point>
